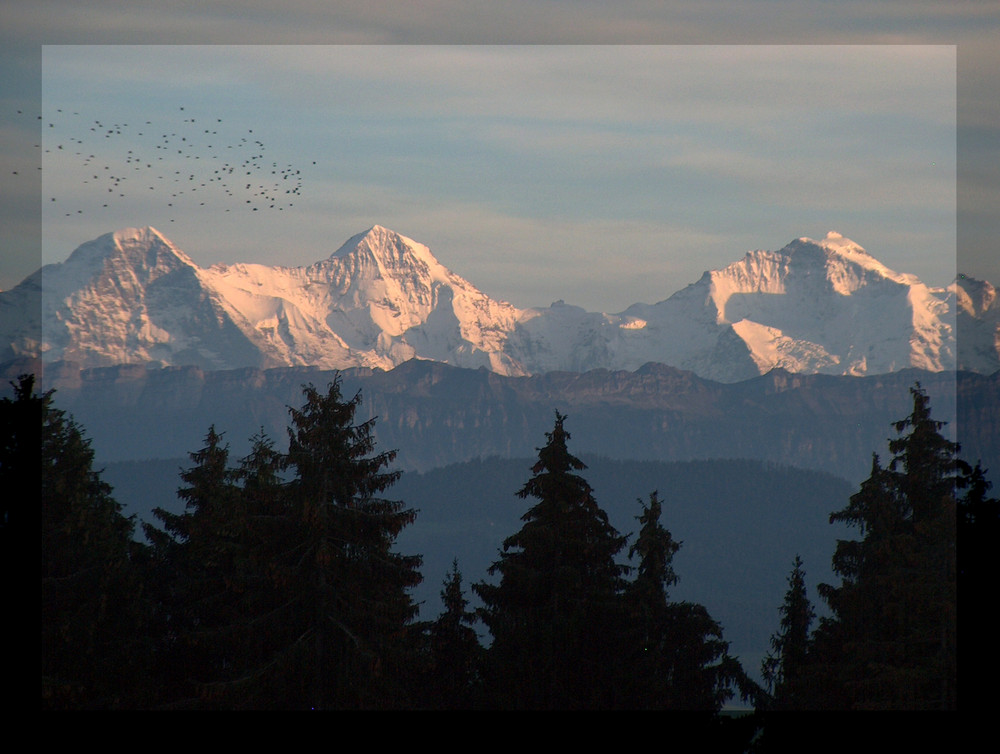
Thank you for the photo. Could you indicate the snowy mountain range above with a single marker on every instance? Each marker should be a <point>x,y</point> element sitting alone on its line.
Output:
<point>382,299</point>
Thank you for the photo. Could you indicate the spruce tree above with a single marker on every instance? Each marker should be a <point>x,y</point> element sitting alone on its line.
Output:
<point>891,640</point>
<point>784,668</point>
<point>253,632</point>
<point>349,588</point>
<point>286,593</point>
<point>202,561</point>
<point>646,677</point>
<point>455,651</point>
<point>259,633</point>
<point>555,615</point>
<point>93,610</point>
<point>931,476</point>
<point>676,657</point>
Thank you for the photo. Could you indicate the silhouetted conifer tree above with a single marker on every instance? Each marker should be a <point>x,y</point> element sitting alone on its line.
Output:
<point>555,616</point>
<point>891,641</point>
<point>203,561</point>
<point>265,512</point>
<point>785,665</point>
<point>349,588</point>
<point>287,594</point>
<point>456,654</point>
<point>251,635</point>
<point>647,674</point>
<point>92,607</point>
<point>676,656</point>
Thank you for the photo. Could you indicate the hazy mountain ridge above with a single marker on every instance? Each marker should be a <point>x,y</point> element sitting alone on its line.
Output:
<point>435,414</point>
<point>381,299</point>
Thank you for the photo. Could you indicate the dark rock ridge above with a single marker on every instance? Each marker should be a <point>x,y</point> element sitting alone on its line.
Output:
<point>435,414</point>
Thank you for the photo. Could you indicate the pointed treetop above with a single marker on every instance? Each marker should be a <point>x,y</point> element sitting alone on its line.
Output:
<point>925,453</point>
<point>656,548</point>
<point>555,456</point>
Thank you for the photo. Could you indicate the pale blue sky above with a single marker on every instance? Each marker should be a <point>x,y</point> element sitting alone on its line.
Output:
<point>602,175</point>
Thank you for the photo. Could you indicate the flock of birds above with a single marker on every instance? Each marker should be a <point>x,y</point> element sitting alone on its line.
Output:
<point>179,164</point>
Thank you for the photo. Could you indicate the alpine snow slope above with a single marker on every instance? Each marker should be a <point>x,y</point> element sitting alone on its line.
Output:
<point>381,299</point>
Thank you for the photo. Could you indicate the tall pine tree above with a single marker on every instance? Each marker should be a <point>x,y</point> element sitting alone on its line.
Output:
<point>202,557</point>
<point>646,680</point>
<point>93,609</point>
<point>555,616</point>
<point>455,652</point>
<point>676,657</point>
<point>350,588</point>
<point>286,593</point>
<point>890,642</point>
<point>784,667</point>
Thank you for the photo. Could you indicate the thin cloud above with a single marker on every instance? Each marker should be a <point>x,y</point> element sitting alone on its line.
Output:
<point>547,137</point>
<point>886,88</point>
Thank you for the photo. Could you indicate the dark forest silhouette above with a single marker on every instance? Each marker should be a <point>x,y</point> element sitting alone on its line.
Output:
<point>279,586</point>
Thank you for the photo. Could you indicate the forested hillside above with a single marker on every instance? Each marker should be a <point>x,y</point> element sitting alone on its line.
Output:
<point>285,580</point>
<point>741,522</point>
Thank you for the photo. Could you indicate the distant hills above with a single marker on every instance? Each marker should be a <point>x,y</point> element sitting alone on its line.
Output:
<point>381,299</point>
<point>741,524</point>
<point>436,414</point>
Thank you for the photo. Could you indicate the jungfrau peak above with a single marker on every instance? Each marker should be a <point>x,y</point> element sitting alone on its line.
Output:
<point>814,306</point>
<point>978,323</point>
<point>828,306</point>
<point>382,298</point>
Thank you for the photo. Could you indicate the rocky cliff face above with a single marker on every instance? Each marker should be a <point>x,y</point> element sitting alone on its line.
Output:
<point>977,309</point>
<point>435,414</point>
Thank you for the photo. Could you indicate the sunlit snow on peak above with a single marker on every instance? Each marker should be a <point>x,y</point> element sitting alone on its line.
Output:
<point>382,298</point>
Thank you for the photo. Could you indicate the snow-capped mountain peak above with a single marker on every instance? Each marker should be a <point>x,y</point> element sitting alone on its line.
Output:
<point>145,248</point>
<point>975,297</point>
<point>835,241</point>
<point>383,254</point>
<point>827,306</point>
<point>978,317</point>
<point>851,266</point>
<point>382,298</point>
<point>803,269</point>
<point>388,247</point>
<point>379,299</point>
